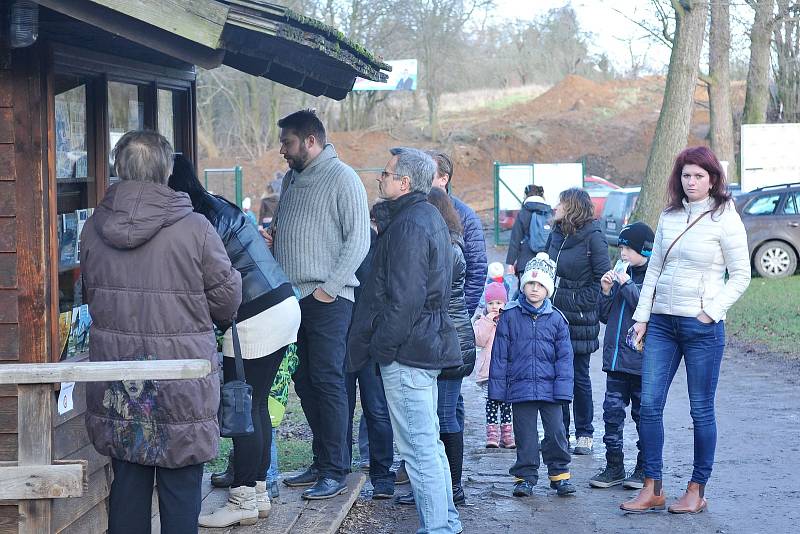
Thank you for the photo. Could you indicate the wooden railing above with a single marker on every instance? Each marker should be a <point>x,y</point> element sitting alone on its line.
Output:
<point>34,479</point>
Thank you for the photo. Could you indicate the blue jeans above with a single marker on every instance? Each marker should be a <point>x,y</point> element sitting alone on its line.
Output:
<point>450,408</point>
<point>272,472</point>
<point>376,415</point>
<point>411,395</point>
<point>670,338</point>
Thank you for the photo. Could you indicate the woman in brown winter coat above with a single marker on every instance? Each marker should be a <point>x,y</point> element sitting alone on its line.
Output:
<point>156,277</point>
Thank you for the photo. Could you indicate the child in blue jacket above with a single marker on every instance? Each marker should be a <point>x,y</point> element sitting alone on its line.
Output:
<point>531,368</point>
<point>619,296</point>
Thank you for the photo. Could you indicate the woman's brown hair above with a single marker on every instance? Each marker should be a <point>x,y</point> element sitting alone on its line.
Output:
<point>706,159</point>
<point>578,210</point>
<point>442,202</point>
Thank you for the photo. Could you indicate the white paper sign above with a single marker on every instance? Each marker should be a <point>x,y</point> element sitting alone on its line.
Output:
<point>511,189</point>
<point>557,177</point>
<point>65,397</point>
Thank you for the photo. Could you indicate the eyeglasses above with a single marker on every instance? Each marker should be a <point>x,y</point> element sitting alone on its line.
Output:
<point>386,174</point>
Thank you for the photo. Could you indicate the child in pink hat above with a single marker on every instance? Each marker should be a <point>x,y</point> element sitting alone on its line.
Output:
<point>499,433</point>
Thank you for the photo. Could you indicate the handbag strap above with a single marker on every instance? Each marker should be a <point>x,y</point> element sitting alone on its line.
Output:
<point>669,249</point>
<point>237,353</point>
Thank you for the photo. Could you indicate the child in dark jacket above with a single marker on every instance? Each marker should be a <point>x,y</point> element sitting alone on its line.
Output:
<point>531,368</point>
<point>619,295</point>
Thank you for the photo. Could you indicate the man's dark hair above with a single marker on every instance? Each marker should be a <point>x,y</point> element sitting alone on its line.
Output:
<point>304,123</point>
<point>444,165</point>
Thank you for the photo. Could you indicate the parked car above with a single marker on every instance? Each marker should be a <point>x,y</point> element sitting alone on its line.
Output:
<point>771,216</point>
<point>619,206</point>
<point>598,189</point>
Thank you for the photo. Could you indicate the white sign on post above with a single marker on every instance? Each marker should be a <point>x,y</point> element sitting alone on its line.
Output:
<point>557,177</point>
<point>770,155</point>
<point>65,397</point>
<point>513,179</point>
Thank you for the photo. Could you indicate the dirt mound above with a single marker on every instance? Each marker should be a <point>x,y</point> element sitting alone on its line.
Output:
<point>609,125</point>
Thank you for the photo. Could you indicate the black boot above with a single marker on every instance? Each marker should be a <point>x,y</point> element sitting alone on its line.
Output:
<point>224,479</point>
<point>613,474</point>
<point>454,450</point>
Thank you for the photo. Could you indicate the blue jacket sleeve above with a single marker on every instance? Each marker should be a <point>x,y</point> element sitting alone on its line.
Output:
<point>498,367</point>
<point>562,387</point>
<point>475,254</point>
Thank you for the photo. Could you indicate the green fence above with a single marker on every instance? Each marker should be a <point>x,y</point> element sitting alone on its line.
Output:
<point>225,183</point>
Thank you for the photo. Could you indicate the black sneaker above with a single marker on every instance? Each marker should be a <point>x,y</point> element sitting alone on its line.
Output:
<point>523,488</point>
<point>459,498</point>
<point>612,475</point>
<point>406,499</point>
<point>562,487</point>
<point>306,478</point>
<point>635,480</point>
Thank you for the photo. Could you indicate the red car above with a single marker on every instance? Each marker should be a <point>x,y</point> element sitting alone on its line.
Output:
<point>598,189</point>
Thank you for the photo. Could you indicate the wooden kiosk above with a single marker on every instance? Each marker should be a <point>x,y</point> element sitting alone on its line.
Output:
<point>89,72</point>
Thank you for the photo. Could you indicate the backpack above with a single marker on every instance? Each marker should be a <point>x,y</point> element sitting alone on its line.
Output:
<point>538,231</point>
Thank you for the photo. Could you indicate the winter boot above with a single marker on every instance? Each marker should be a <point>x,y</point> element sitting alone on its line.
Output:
<point>225,478</point>
<point>692,502</point>
<point>240,509</point>
<point>492,436</point>
<point>613,474</point>
<point>649,499</point>
<point>454,450</point>
<point>262,499</point>
<point>507,437</point>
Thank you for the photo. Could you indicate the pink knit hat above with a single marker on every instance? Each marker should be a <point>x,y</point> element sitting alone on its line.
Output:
<point>496,291</point>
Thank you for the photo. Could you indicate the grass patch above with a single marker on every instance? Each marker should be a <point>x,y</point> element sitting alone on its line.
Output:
<point>768,313</point>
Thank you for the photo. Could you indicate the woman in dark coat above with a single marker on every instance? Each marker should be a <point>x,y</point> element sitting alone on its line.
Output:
<point>580,250</point>
<point>267,322</point>
<point>450,407</point>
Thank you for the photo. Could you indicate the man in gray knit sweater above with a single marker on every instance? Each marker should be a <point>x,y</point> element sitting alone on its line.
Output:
<point>319,235</point>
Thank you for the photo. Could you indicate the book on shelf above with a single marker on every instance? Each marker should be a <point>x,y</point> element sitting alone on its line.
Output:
<point>70,227</point>
<point>78,335</point>
<point>64,328</point>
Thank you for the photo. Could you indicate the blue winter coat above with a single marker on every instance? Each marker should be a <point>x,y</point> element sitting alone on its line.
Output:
<point>531,356</point>
<point>474,253</point>
<point>616,311</point>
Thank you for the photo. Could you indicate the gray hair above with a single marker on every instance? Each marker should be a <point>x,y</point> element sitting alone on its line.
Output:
<point>417,165</point>
<point>143,156</point>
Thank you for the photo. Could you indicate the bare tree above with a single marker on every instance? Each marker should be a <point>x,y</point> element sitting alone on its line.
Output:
<point>757,95</point>
<point>786,32</point>
<point>672,128</point>
<point>719,89</point>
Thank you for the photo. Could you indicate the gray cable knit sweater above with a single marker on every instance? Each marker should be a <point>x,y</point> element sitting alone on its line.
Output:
<point>322,226</point>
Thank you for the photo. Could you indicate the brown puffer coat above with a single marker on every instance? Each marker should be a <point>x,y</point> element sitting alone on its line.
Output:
<point>155,275</point>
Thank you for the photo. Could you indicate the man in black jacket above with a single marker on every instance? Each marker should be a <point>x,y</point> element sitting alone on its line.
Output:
<point>401,323</point>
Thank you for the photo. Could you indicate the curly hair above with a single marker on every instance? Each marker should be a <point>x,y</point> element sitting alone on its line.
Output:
<point>578,210</point>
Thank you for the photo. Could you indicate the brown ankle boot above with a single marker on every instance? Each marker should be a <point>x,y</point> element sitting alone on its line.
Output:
<point>692,502</point>
<point>649,499</point>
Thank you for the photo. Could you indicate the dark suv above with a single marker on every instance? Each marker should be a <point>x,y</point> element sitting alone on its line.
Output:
<point>771,216</point>
<point>617,210</point>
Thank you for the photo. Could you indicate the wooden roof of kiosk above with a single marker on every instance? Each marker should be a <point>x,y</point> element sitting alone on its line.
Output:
<point>149,47</point>
<point>252,36</point>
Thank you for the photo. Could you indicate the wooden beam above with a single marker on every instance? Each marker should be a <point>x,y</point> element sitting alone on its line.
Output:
<point>8,171</point>
<point>43,481</point>
<point>50,373</point>
<point>34,448</point>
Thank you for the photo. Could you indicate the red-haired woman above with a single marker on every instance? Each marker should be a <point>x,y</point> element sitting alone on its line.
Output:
<point>682,309</point>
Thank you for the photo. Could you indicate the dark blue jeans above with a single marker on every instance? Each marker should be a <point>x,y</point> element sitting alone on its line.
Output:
<point>450,407</point>
<point>670,338</point>
<point>622,389</point>
<point>582,405</point>
<point>319,381</point>
<point>179,496</point>
<point>379,426</point>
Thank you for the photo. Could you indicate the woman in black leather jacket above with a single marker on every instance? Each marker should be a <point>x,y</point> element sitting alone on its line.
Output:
<point>267,322</point>
<point>451,403</point>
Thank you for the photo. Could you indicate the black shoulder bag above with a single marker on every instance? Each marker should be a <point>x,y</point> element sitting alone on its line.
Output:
<point>236,399</point>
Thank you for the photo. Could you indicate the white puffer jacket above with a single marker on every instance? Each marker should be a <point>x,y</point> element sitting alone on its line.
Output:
<point>693,277</point>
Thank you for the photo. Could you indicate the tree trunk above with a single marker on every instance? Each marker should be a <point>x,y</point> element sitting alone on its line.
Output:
<point>433,113</point>
<point>787,52</point>
<point>672,128</point>
<point>757,95</point>
<point>719,90</point>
